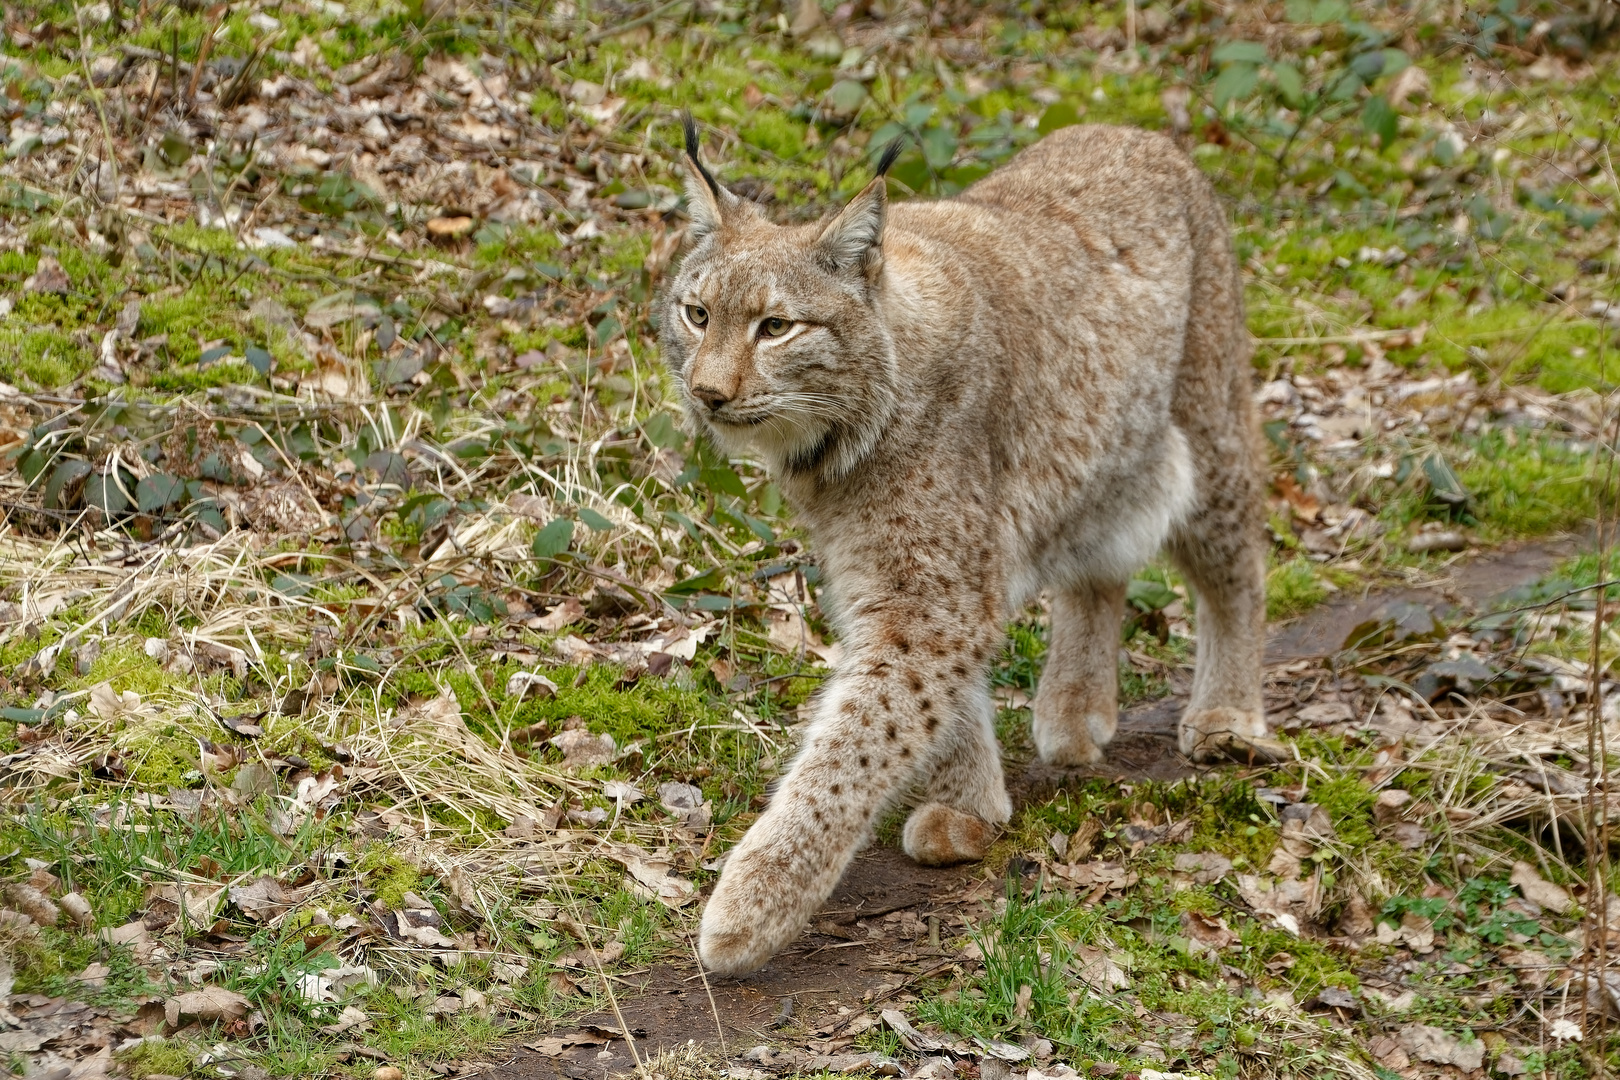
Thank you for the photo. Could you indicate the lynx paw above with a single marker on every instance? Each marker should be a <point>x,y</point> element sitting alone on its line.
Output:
<point>746,922</point>
<point>1067,747</point>
<point>939,835</point>
<point>1207,734</point>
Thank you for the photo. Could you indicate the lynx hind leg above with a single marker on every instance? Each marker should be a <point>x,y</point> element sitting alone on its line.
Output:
<point>966,796</point>
<point>1221,550</point>
<point>1077,702</point>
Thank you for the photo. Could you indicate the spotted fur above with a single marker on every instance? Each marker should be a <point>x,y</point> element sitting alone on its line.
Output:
<point>1036,384</point>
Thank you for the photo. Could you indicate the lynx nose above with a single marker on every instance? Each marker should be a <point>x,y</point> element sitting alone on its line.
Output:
<point>710,396</point>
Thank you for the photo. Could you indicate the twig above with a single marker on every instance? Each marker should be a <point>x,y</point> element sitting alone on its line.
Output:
<point>596,36</point>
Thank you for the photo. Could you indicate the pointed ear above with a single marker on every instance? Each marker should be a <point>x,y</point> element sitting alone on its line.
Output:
<point>706,201</point>
<point>853,241</point>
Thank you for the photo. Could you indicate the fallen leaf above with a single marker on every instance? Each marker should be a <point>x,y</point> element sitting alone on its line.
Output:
<point>1539,890</point>
<point>261,900</point>
<point>1097,969</point>
<point>350,1018</point>
<point>1323,713</point>
<point>48,277</point>
<point>625,794</point>
<point>1205,868</point>
<point>653,879</point>
<point>1206,934</point>
<point>581,749</point>
<point>686,802</point>
<point>1090,875</point>
<point>208,1005</point>
<point>524,683</point>
<point>910,1037</point>
<point>1390,805</point>
<point>33,903</point>
<point>1438,1046</point>
<point>569,611</point>
<point>331,984</point>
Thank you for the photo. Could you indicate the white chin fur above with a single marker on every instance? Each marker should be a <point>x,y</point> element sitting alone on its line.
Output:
<point>777,440</point>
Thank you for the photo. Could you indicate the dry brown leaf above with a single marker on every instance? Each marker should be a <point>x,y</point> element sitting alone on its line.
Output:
<point>1539,890</point>
<point>581,749</point>
<point>1441,1047</point>
<point>208,1005</point>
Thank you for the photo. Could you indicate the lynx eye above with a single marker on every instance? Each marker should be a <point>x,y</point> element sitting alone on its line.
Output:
<point>774,327</point>
<point>698,316</point>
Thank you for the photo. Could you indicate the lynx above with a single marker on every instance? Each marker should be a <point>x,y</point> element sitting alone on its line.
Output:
<point>1035,384</point>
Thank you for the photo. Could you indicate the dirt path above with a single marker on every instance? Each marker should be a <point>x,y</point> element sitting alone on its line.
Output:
<point>804,989</point>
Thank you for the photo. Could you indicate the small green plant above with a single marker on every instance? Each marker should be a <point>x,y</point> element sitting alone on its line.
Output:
<point>1322,92</point>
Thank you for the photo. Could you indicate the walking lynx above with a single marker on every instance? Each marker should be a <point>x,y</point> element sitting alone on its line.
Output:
<point>1036,384</point>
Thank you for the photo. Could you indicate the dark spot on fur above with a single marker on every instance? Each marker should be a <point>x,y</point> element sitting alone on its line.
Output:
<point>891,733</point>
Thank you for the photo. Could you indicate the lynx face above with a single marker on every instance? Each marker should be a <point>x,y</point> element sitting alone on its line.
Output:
<point>774,335</point>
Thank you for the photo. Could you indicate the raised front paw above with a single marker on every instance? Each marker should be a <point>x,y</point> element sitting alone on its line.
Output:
<point>939,835</point>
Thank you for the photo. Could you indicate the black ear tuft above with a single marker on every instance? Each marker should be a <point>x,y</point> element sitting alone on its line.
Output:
<point>891,153</point>
<point>689,126</point>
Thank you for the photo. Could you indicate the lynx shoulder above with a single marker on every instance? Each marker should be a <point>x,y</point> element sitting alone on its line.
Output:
<point>1035,385</point>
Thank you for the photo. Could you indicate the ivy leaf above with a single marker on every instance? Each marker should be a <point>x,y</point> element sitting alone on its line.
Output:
<point>712,578</point>
<point>1240,52</point>
<point>1379,118</point>
<point>938,147</point>
<point>1369,65</point>
<point>1234,82</point>
<point>157,491</point>
<point>553,540</point>
<point>1060,114</point>
<point>662,432</point>
<point>1289,84</point>
<point>62,480</point>
<point>594,520</point>
<point>723,478</point>
<point>103,492</point>
<point>1145,594</point>
<point>258,358</point>
<point>1395,61</point>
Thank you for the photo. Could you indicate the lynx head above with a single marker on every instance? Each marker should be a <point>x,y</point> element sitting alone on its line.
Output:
<point>775,334</point>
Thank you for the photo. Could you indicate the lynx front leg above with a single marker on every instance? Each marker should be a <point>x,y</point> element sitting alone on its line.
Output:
<point>967,799</point>
<point>1077,703</point>
<point>881,721</point>
<point>1223,556</point>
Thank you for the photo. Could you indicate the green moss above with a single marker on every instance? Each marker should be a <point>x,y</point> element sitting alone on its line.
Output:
<point>157,763</point>
<point>388,874</point>
<point>160,1056</point>
<point>1348,802</point>
<point>1529,485</point>
<point>775,133</point>
<point>1293,587</point>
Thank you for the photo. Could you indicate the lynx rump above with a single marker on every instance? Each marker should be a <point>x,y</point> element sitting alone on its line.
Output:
<point>1036,384</point>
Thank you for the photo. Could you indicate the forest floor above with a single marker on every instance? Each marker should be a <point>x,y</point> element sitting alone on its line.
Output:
<point>383,671</point>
